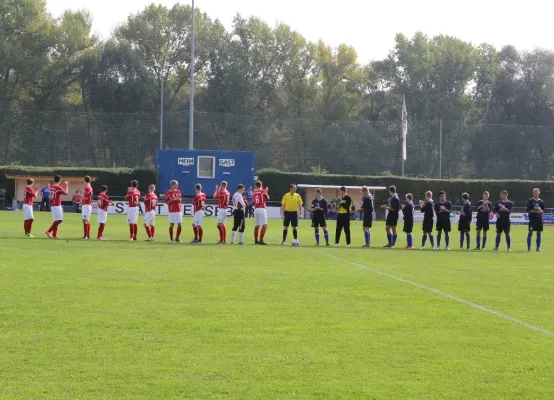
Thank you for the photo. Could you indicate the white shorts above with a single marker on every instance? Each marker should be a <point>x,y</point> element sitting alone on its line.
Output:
<point>102,216</point>
<point>86,211</point>
<point>57,213</point>
<point>221,215</point>
<point>27,211</point>
<point>132,215</point>
<point>175,218</point>
<point>260,216</point>
<point>150,218</point>
<point>198,218</point>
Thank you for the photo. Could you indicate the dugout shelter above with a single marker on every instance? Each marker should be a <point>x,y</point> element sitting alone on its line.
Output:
<point>75,182</point>
<point>331,192</point>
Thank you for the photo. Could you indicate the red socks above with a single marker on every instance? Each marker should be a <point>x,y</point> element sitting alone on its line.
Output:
<point>133,230</point>
<point>264,228</point>
<point>28,225</point>
<point>200,233</point>
<point>222,233</point>
<point>178,235</point>
<point>147,228</point>
<point>171,232</point>
<point>54,228</point>
<point>256,232</point>
<point>152,231</point>
<point>101,230</point>
<point>195,230</point>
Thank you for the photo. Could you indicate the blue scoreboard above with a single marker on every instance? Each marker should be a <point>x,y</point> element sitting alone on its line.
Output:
<point>206,167</point>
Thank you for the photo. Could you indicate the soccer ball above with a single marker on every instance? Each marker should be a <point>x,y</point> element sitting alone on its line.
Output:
<point>295,242</point>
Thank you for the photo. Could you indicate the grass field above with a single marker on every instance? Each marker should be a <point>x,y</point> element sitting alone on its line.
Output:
<point>121,320</point>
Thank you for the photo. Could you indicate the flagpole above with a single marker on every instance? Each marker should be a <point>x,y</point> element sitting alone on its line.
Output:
<point>404,120</point>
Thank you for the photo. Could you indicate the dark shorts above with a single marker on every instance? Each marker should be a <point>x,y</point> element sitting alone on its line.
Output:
<point>238,220</point>
<point>464,225</point>
<point>503,226</point>
<point>482,225</point>
<point>535,225</point>
<point>444,225</point>
<point>392,219</point>
<point>408,226</point>
<point>319,221</point>
<point>427,225</point>
<point>291,218</point>
<point>368,220</point>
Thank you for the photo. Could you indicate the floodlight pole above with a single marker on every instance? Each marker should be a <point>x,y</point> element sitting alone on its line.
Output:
<point>191,101</point>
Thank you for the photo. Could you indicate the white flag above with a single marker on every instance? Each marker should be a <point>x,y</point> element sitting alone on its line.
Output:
<point>404,128</point>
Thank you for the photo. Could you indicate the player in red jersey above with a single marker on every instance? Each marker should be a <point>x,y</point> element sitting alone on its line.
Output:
<point>56,192</point>
<point>150,204</point>
<point>173,199</point>
<point>222,194</point>
<point>133,197</point>
<point>260,197</point>
<point>30,192</point>
<point>103,203</point>
<point>199,202</point>
<point>86,210</point>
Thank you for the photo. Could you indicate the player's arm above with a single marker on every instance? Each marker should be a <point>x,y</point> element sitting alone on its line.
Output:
<point>283,204</point>
<point>266,195</point>
<point>530,209</point>
<point>241,201</point>
<point>300,204</point>
<point>541,209</point>
<point>65,189</point>
<point>216,193</point>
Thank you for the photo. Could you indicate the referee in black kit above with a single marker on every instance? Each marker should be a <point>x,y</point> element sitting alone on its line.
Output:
<point>343,217</point>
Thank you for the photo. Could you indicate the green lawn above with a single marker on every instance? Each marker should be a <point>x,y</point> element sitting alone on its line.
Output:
<point>121,320</point>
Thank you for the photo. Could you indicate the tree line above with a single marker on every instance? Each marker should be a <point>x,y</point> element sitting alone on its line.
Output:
<point>300,105</point>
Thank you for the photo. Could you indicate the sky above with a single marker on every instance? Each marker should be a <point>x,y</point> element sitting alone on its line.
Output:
<point>368,25</point>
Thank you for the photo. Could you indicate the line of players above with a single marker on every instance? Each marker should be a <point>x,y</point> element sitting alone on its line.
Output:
<point>173,198</point>
<point>443,209</point>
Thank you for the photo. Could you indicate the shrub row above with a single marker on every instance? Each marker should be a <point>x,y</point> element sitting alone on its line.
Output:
<point>519,191</point>
<point>118,180</point>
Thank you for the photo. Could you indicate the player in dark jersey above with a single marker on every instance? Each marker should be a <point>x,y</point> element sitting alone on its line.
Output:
<point>319,209</point>
<point>393,212</point>
<point>484,210</point>
<point>535,209</point>
<point>464,224</point>
<point>367,207</point>
<point>408,212</point>
<point>427,208</point>
<point>503,210</point>
<point>443,208</point>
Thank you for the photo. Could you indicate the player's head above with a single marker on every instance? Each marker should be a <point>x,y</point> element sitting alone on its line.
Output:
<point>486,195</point>
<point>77,191</point>
<point>536,193</point>
<point>392,190</point>
<point>409,197</point>
<point>103,188</point>
<point>258,184</point>
<point>151,188</point>
<point>292,188</point>
<point>504,194</point>
<point>465,196</point>
<point>134,184</point>
<point>365,190</point>
<point>241,188</point>
<point>57,179</point>
<point>442,195</point>
<point>174,184</point>
<point>428,194</point>
<point>87,179</point>
<point>198,188</point>
<point>223,185</point>
<point>317,192</point>
<point>250,188</point>
<point>30,181</point>
<point>342,191</point>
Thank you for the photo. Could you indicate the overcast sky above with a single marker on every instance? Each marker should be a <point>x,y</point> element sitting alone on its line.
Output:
<point>367,25</point>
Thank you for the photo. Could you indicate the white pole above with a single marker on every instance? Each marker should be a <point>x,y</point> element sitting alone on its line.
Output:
<point>191,101</point>
<point>162,108</point>
<point>440,149</point>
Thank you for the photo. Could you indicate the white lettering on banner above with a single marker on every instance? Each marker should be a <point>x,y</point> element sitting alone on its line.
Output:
<point>185,162</point>
<point>226,162</point>
<point>121,207</point>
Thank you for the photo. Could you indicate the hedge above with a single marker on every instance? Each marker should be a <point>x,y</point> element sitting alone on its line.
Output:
<point>519,190</point>
<point>117,179</point>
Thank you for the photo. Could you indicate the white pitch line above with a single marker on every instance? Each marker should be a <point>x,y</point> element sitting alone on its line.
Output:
<point>449,296</point>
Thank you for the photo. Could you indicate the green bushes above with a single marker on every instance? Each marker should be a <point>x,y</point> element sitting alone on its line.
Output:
<point>520,191</point>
